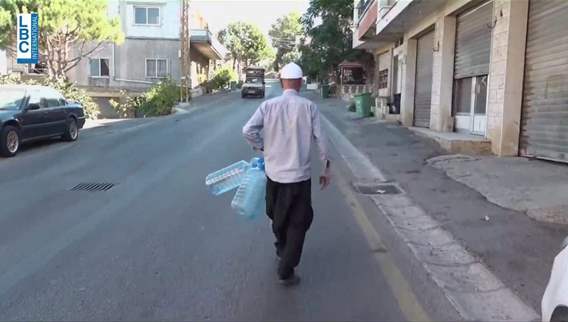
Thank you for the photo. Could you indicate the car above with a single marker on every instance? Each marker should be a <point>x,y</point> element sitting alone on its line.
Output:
<point>555,300</point>
<point>253,87</point>
<point>30,112</point>
<point>254,82</point>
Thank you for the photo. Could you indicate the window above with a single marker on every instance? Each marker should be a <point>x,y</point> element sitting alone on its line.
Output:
<point>156,68</point>
<point>36,97</point>
<point>99,67</point>
<point>463,98</point>
<point>462,95</point>
<point>11,99</point>
<point>480,94</point>
<point>146,15</point>
<point>50,98</point>
<point>383,78</point>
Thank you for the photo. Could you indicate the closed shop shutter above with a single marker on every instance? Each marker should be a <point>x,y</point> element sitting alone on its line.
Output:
<point>423,86</point>
<point>473,42</point>
<point>544,128</point>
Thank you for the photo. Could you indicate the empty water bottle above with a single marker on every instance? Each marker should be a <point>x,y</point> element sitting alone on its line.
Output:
<point>227,178</point>
<point>249,200</point>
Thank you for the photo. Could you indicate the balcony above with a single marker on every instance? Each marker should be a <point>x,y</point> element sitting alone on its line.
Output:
<point>398,18</point>
<point>367,13</point>
<point>207,44</point>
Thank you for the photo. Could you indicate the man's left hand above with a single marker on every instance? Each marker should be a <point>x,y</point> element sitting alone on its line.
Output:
<point>325,180</point>
<point>325,177</point>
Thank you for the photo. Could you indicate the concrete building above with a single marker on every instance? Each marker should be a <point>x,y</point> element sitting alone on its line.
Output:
<point>3,63</point>
<point>489,74</point>
<point>151,50</point>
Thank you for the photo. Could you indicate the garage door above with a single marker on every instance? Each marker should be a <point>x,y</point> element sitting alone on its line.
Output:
<point>473,42</point>
<point>423,87</point>
<point>544,131</point>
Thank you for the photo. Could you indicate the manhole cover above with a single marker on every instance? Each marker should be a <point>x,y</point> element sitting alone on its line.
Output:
<point>377,189</point>
<point>91,187</point>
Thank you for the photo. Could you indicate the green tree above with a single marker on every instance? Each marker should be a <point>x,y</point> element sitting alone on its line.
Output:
<point>330,42</point>
<point>291,57</point>
<point>70,30</point>
<point>285,33</point>
<point>247,44</point>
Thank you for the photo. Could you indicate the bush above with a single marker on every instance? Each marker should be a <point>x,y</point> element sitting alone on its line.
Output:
<point>222,78</point>
<point>158,100</point>
<point>126,106</point>
<point>68,89</point>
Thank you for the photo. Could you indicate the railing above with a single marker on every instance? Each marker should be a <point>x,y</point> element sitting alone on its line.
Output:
<point>221,50</point>
<point>383,10</point>
<point>362,7</point>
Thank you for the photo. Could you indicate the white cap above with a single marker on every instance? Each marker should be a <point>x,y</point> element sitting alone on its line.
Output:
<point>291,71</point>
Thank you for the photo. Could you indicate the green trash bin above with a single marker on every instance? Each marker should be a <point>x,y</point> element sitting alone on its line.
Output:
<point>325,90</point>
<point>363,104</point>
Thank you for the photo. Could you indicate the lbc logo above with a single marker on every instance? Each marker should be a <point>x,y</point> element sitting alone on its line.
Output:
<point>27,39</point>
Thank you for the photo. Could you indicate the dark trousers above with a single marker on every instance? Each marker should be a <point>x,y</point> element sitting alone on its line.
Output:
<point>289,206</point>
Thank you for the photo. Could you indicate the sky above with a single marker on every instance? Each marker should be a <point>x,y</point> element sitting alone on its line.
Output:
<point>263,13</point>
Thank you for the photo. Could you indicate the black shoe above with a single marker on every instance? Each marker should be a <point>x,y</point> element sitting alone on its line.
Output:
<point>290,281</point>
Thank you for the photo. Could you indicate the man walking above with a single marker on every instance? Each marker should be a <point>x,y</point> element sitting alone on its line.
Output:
<point>291,125</point>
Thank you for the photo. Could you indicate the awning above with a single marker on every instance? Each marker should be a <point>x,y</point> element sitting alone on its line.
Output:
<point>347,64</point>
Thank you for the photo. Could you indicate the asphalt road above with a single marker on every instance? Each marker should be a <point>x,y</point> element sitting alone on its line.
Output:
<point>158,246</point>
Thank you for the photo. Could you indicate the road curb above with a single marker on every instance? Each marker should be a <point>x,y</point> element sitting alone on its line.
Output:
<point>472,289</point>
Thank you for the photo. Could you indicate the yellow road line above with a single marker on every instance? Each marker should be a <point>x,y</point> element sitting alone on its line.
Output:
<point>401,290</point>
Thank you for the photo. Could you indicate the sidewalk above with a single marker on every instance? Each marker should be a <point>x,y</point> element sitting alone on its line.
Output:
<point>516,248</point>
<point>537,188</point>
<point>196,103</point>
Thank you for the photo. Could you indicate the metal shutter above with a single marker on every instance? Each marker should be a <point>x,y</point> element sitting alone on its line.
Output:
<point>544,128</point>
<point>423,88</point>
<point>473,42</point>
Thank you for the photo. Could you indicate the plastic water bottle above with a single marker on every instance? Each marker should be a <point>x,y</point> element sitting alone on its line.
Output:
<point>227,178</point>
<point>249,201</point>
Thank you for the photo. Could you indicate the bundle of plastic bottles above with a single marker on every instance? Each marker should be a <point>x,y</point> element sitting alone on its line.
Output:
<point>250,181</point>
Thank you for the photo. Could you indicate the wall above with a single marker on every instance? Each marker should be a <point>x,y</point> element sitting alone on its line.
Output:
<point>443,74</point>
<point>169,21</point>
<point>383,61</point>
<point>81,73</point>
<point>131,57</point>
<point>199,65</point>
<point>505,84</point>
<point>128,64</point>
<point>442,22</point>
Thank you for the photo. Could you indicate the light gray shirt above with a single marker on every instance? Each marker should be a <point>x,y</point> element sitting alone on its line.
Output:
<point>290,124</point>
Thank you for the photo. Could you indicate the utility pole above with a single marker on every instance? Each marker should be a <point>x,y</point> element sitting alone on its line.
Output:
<point>185,43</point>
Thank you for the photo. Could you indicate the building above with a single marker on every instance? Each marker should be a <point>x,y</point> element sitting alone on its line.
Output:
<point>494,71</point>
<point>3,63</point>
<point>151,50</point>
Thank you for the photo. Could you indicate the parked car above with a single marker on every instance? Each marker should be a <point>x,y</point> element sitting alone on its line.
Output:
<point>30,113</point>
<point>555,300</point>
